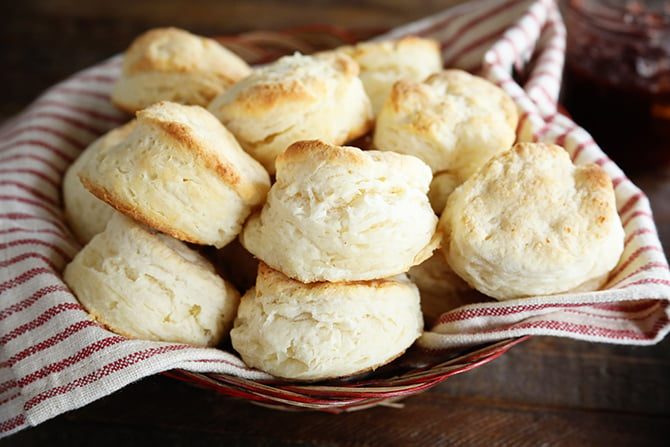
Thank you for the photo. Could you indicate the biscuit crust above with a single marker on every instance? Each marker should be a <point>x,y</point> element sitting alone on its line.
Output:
<point>339,213</point>
<point>325,330</point>
<point>171,64</point>
<point>181,172</point>
<point>143,284</point>
<point>382,63</point>
<point>532,223</point>
<point>295,98</point>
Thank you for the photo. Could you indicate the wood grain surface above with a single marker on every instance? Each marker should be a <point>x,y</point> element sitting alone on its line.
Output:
<point>545,391</point>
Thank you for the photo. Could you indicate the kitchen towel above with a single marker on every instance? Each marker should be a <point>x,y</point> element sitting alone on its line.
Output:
<point>53,358</point>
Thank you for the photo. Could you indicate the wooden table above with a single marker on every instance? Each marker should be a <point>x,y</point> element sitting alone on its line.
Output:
<point>545,391</point>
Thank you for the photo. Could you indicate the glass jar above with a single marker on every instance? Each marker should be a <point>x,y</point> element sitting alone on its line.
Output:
<point>617,78</point>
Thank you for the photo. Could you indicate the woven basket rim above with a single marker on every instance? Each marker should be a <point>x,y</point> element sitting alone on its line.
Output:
<point>346,395</point>
<point>358,392</point>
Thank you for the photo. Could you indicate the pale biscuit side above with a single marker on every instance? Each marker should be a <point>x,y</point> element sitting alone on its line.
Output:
<point>85,214</point>
<point>325,330</point>
<point>143,284</point>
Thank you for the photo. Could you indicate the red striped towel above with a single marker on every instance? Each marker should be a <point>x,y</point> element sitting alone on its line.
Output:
<point>54,359</point>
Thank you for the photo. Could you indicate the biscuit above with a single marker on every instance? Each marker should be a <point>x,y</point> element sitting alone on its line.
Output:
<point>443,183</point>
<point>85,214</point>
<point>297,97</point>
<point>382,63</point>
<point>170,64</point>
<point>146,285</point>
<point>181,172</point>
<point>441,288</point>
<point>530,222</point>
<point>454,121</point>
<point>338,213</point>
<point>324,330</point>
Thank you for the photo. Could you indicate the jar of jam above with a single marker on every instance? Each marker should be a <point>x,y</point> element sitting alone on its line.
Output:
<point>617,78</point>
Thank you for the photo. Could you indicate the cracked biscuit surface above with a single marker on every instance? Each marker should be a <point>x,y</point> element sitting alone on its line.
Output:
<point>530,222</point>
<point>297,97</point>
<point>171,64</point>
<point>325,330</point>
<point>382,63</point>
<point>181,172</point>
<point>454,121</point>
<point>147,285</point>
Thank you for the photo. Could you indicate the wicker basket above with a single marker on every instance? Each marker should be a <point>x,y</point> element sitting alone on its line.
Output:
<point>412,373</point>
<point>415,371</point>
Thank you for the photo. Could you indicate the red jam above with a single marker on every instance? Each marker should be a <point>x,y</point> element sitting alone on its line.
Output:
<point>617,78</point>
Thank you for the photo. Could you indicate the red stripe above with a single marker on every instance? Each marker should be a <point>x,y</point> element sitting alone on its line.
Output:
<point>34,173</point>
<point>638,232</point>
<point>25,216</point>
<point>46,161</point>
<point>102,78</point>
<point>49,342</point>
<point>512,44</point>
<point>32,191</point>
<point>618,181</point>
<point>457,34</point>
<point>41,144</point>
<point>649,310</point>
<point>53,248</point>
<point>630,203</point>
<point>39,321</point>
<point>548,96</point>
<point>63,135</point>
<point>81,355</point>
<point>581,147</point>
<point>626,306</point>
<point>551,56</point>
<point>110,368</point>
<point>35,297</point>
<point>22,257</point>
<point>74,122</point>
<point>547,125</point>
<point>602,161</point>
<point>439,26</point>
<point>24,277</point>
<point>12,423</point>
<point>645,281</point>
<point>582,329</point>
<point>467,314</point>
<point>57,212</point>
<point>544,73</point>
<point>75,91</point>
<point>8,385</point>
<point>630,218</point>
<point>64,237</point>
<point>560,140</point>
<point>9,399</point>
<point>89,113</point>
<point>648,266</point>
<point>486,39</point>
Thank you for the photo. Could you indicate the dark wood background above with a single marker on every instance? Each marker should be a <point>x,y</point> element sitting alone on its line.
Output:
<point>546,391</point>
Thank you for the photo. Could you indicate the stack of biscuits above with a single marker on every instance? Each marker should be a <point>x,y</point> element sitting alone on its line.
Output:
<point>354,247</point>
